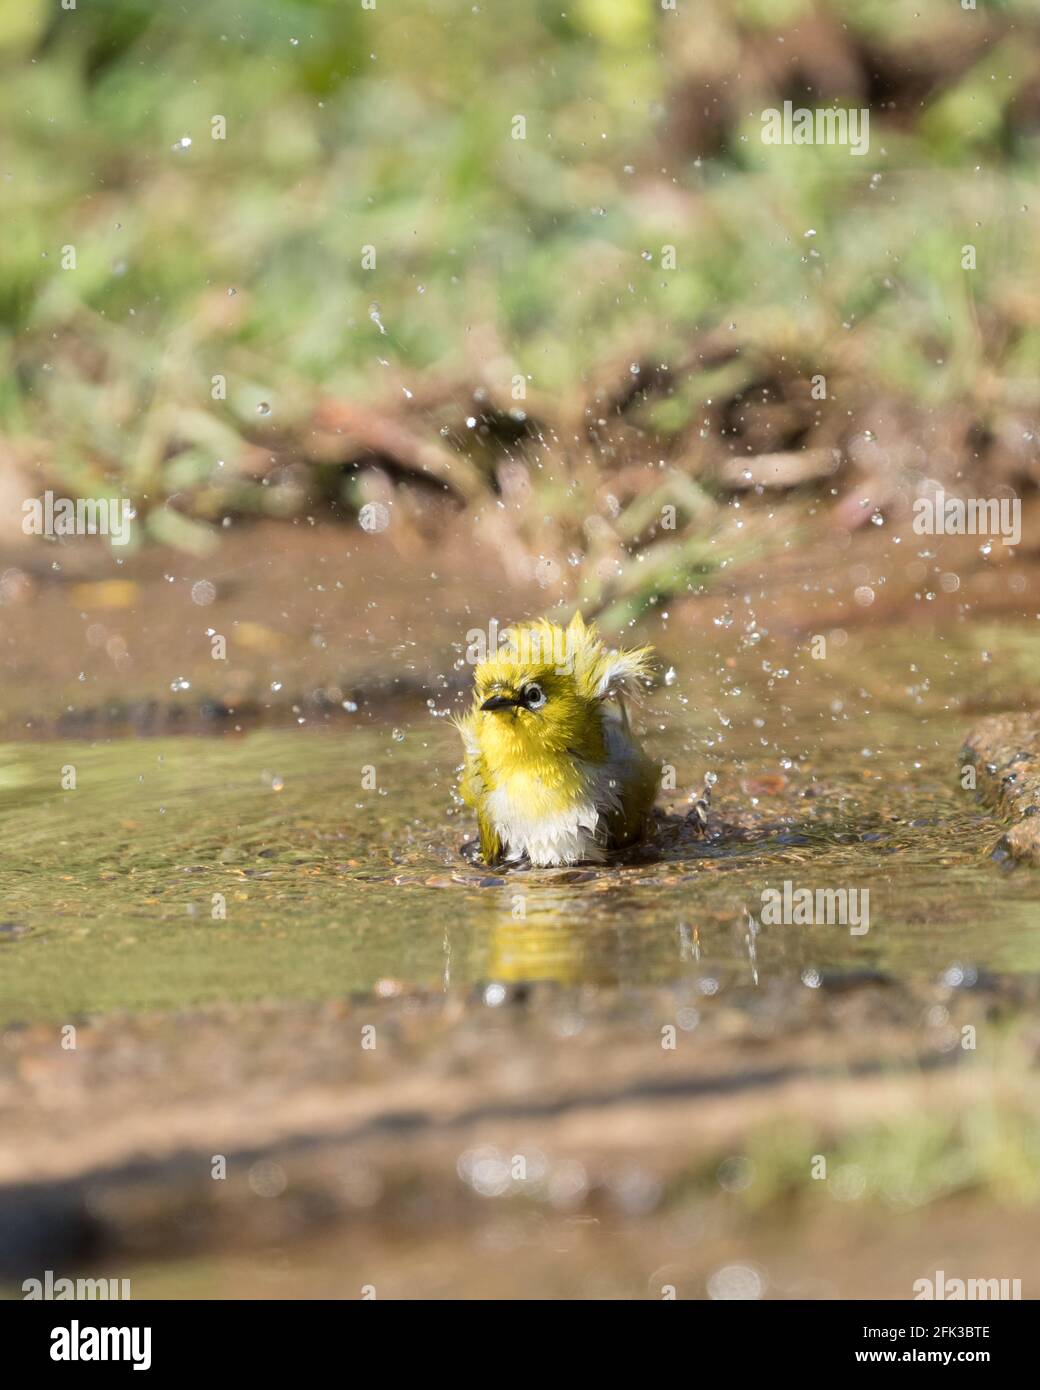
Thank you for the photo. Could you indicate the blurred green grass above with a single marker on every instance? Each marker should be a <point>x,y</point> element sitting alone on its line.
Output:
<point>499,259</point>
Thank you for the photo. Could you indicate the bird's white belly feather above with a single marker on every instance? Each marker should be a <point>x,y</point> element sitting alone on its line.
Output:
<point>564,838</point>
<point>571,835</point>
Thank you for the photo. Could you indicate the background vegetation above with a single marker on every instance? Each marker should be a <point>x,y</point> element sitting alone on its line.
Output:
<point>500,260</point>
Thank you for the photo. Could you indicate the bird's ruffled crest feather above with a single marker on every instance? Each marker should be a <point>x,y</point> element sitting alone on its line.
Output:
<point>605,674</point>
<point>536,648</point>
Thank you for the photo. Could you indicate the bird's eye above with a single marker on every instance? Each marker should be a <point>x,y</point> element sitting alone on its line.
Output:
<point>534,696</point>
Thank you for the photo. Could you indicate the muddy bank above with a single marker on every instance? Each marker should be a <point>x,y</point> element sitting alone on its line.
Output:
<point>514,1117</point>
<point>282,627</point>
<point>1004,750</point>
<point>317,619</point>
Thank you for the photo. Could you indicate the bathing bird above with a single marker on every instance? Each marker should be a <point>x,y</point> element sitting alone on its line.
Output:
<point>552,768</point>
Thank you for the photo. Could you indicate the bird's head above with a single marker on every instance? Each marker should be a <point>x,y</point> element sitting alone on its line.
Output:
<point>541,693</point>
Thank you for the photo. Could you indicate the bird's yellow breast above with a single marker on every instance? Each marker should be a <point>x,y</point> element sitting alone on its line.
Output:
<point>539,788</point>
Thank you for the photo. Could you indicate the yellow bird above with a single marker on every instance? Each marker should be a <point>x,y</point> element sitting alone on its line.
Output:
<point>552,768</point>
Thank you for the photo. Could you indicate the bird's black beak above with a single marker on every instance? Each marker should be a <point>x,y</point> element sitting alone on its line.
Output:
<point>500,702</point>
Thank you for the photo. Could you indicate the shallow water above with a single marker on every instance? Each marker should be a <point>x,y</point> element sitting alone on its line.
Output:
<point>188,870</point>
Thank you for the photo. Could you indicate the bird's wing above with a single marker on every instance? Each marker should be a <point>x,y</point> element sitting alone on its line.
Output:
<point>490,844</point>
<point>473,789</point>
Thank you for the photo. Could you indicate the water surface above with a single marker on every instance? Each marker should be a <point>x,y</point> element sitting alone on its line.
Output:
<point>188,870</point>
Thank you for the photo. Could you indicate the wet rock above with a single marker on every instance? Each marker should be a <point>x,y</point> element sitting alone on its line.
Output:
<point>771,784</point>
<point>1005,753</point>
